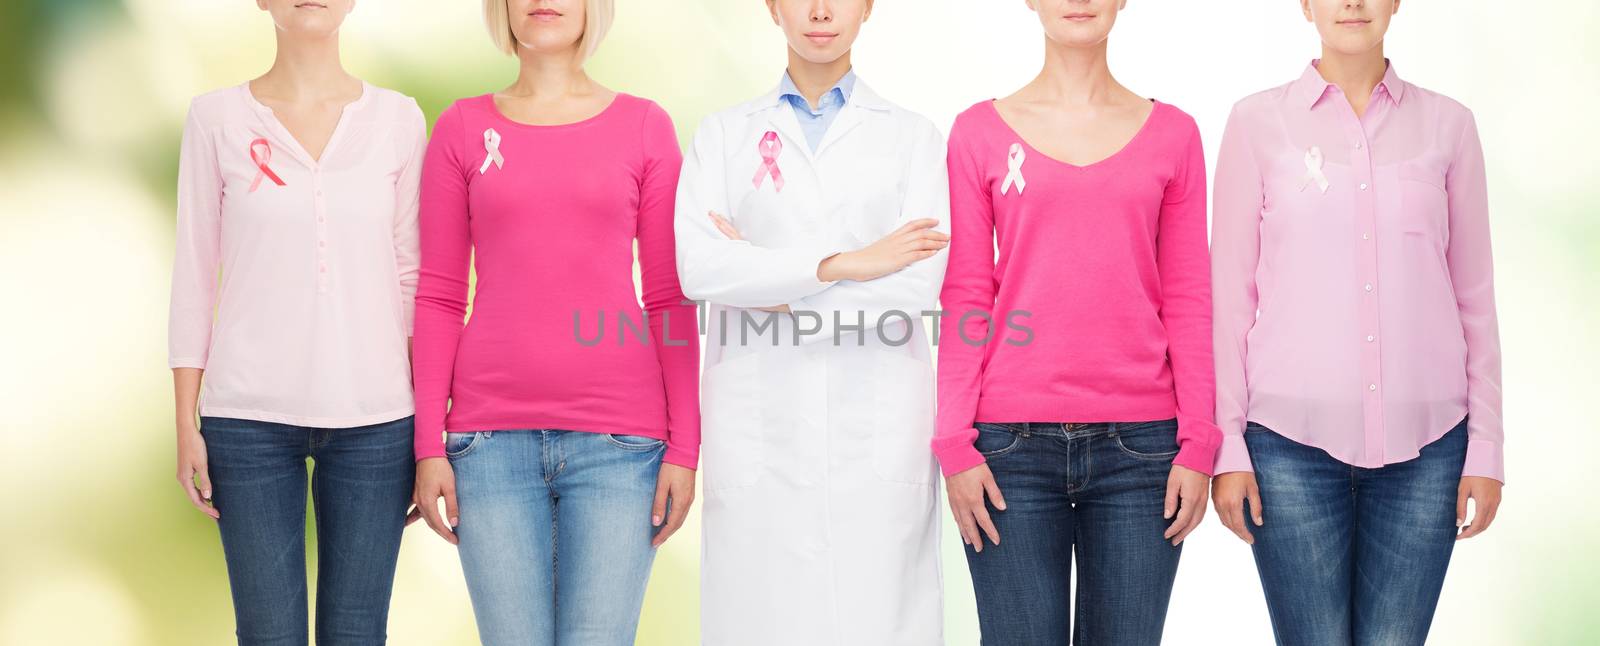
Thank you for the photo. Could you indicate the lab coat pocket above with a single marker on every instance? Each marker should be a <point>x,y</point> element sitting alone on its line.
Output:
<point>732,446</point>
<point>904,416</point>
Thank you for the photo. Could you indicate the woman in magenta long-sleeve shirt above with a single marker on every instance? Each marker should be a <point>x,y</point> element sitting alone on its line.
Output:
<point>1075,374</point>
<point>561,423</point>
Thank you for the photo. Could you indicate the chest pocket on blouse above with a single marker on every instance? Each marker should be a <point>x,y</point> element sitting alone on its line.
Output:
<point>1424,202</point>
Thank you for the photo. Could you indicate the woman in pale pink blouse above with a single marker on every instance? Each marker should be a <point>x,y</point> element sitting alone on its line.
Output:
<point>1358,359</point>
<point>291,295</point>
<point>560,424</point>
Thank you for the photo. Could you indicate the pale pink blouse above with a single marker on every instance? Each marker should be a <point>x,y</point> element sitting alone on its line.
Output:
<point>1352,280</point>
<point>294,278</point>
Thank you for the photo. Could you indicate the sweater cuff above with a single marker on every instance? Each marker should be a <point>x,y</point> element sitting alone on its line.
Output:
<point>681,457</point>
<point>958,458</point>
<point>1485,459</point>
<point>1232,456</point>
<point>427,445</point>
<point>1196,456</point>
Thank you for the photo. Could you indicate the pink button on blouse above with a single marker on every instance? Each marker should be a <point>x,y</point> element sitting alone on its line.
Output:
<point>1352,280</point>
<point>294,277</point>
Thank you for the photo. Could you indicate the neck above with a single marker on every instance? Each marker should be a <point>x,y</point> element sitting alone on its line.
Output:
<point>815,79</point>
<point>307,67</point>
<point>1355,74</point>
<point>1075,74</point>
<point>550,75</point>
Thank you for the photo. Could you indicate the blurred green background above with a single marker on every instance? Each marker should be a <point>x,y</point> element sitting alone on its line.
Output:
<point>102,548</point>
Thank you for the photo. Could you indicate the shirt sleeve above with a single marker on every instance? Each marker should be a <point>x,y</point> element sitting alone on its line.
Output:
<point>198,248</point>
<point>1472,276</point>
<point>672,317</point>
<point>446,264</point>
<point>905,294</point>
<point>967,300</point>
<point>407,254</point>
<point>1235,250</point>
<point>735,273</point>
<point>1184,265</point>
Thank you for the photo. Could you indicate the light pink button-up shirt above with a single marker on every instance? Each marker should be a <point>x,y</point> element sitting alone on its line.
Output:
<point>307,323</point>
<point>1352,281</point>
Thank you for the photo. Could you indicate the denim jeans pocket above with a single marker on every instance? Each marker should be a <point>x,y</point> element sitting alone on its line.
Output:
<point>995,440</point>
<point>458,445</point>
<point>1149,440</point>
<point>634,442</point>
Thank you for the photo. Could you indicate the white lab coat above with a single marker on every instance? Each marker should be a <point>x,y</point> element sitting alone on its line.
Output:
<point>821,492</point>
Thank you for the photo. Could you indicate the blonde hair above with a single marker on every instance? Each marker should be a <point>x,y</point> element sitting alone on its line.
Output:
<point>597,21</point>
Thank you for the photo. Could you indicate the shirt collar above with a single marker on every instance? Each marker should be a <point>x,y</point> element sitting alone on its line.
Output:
<point>787,89</point>
<point>1312,87</point>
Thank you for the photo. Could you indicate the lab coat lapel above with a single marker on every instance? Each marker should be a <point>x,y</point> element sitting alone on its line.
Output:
<point>863,102</point>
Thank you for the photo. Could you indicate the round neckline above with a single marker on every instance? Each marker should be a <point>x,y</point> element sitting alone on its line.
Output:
<point>494,109</point>
<point>1156,106</point>
<point>250,97</point>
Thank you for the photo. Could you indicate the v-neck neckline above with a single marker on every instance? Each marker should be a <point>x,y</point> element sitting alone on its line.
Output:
<point>296,148</point>
<point>1155,107</point>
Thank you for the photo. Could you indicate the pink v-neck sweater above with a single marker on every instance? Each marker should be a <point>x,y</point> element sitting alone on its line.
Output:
<point>557,338</point>
<point>1100,298</point>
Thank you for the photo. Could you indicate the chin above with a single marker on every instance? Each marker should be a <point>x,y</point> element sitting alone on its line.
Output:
<point>819,57</point>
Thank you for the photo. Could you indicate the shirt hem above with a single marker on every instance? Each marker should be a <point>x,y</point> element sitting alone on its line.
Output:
<point>310,422</point>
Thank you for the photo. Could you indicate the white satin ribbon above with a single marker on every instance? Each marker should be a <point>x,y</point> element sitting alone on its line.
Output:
<point>1314,172</point>
<point>1014,176</point>
<point>491,144</point>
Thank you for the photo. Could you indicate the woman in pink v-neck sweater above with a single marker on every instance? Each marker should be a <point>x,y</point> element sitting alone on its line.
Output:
<point>1106,264</point>
<point>554,341</point>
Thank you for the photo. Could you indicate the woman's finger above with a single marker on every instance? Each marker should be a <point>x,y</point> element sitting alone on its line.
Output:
<point>1252,493</point>
<point>658,509</point>
<point>992,489</point>
<point>981,513</point>
<point>186,480</point>
<point>1170,506</point>
<point>677,513</point>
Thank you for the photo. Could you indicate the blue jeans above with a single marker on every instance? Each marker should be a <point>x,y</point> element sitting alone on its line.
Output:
<point>360,488</point>
<point>1349,555</point>
<point>555,533</point>
<point>1099,490</point>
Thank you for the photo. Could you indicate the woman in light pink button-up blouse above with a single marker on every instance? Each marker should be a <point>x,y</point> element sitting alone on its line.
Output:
<point>296,261</point>
<point>1358,359</point>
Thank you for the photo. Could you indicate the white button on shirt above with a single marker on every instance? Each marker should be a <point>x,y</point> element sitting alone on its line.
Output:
<point>308,321</point>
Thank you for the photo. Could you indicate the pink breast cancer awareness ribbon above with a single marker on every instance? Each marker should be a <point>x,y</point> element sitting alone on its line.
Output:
<point>1314,172</point>
<point>1014,176</point>
<point>491,145</point>
<point>770,147</point>
<point>261,156</point>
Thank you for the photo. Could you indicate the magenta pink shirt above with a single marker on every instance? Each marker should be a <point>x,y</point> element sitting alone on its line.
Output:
<point>1354,286</point>
<point>550,223</point>
<point>1109,263</point>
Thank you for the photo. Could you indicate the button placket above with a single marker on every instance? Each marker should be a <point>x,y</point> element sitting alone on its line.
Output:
<point>320,208</point>
<point>1365,201</point>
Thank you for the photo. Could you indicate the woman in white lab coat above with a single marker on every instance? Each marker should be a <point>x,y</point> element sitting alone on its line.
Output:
<point>813,220</point>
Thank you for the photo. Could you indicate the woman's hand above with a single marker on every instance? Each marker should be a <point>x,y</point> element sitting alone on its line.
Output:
<point>674,495</point>
<point>916,241</point>
<point>435,480</point>
<point>1186,502</point>
<point>966,492</point>
<point>1486,494</point>
<point>1230,492</point>
<point>731,233</point>
<point>193,474</point>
